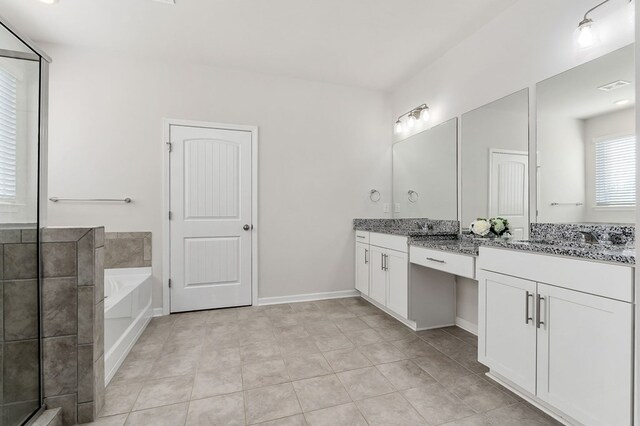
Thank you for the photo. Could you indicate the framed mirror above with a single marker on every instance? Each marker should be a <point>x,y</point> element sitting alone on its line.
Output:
<point>586,142</point>
<point>495,162</point>
<point>425,176</point>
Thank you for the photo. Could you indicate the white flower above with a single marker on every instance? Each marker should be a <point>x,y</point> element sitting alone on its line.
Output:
<point>498,226</point>
<point>480,227</point>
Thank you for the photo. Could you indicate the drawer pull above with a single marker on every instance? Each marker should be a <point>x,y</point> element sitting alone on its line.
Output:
<point>538,321</point>
<point>361,236</point>
<point>366,256</point>
<point>435,260</point>
<point>527,318</point>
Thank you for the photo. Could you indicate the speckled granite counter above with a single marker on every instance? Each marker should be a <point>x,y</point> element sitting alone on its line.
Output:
<point>408,227</point>
<point>600,253</point>
<point>461,246</point>
<point>552,239</point>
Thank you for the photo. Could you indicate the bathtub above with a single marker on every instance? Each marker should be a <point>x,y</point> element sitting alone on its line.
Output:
<point>127,311</point>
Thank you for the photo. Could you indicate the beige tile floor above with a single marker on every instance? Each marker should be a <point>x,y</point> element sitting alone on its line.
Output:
<point>333,362</point>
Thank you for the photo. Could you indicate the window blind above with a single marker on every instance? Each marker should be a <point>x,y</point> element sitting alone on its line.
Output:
<point>8,135</point>
<point>615,172</point>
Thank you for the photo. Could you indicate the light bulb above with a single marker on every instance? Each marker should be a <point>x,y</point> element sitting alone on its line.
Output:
<point>398,126</point>
<point>586,34</point>
<point>411,122</point>
<point>425,114</point>
<point>49,1</point>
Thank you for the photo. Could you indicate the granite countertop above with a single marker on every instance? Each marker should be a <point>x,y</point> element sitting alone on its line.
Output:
<point>602,253</point>
<point>455,245</point>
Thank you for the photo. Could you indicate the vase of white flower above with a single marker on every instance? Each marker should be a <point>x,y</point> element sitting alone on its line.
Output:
<point>490,228</point>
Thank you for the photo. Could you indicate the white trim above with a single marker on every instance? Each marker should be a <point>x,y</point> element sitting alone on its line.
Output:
<point>166,247</point>
<point>157,312</point>
<point>308,297</point>
<point>467,325</point>
<point>111,373</point>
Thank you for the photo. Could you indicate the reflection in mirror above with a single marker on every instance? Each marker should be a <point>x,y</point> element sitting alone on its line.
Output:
<point>425,174</point>
<point>495,162</point>
<point>586,142</point>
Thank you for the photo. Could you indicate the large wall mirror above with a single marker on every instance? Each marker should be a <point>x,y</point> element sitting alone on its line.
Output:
<point>425,176</point>
<point>586,142</point>
<point>495,162</point>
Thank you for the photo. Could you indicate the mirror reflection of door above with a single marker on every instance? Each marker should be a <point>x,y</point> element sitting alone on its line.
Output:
<point>495,180</point>
<point>509,189</point>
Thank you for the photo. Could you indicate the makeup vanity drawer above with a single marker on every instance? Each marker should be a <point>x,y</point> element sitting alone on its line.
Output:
<point>457,264</point>
<point>362,237</point>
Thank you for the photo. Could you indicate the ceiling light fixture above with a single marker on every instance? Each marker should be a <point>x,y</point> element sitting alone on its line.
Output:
<point>49,1</point>
<point>418,113</point>
<point>622,101</point>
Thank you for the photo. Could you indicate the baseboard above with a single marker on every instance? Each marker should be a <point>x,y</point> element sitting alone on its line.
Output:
<point>467,325</point>
<point>157,312</point>
<point>307,297</point>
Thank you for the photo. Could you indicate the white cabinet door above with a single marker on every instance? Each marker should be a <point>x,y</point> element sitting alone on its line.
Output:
<point>398,286</point>
<point>378,280</point>
<point>585,356</point>
<point>362,268</point>
<point>507,332</point>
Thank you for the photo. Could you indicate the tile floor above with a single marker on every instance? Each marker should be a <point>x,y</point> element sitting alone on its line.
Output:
<point>333,362</point>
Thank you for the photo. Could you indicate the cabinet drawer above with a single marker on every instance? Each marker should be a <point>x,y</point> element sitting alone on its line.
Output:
<point>362,236</point>
<point>393,242</point>
<point>457,264</point>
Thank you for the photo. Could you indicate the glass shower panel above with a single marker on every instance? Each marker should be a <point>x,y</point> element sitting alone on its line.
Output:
<point>19,272</point>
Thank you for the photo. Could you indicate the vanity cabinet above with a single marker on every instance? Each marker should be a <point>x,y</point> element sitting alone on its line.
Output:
<point>542,331</point>
<point>382,271</point>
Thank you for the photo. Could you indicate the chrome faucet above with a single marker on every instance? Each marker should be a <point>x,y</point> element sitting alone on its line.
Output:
<point>588,237</point>
<point>424,226</point>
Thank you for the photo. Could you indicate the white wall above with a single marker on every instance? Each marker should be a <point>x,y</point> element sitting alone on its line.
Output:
<point>322,147</point>
<point>529,42</point>
<point>618,123</point>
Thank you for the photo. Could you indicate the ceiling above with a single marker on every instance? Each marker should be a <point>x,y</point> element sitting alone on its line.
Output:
<point>575,93</point>
<point>365,43</point>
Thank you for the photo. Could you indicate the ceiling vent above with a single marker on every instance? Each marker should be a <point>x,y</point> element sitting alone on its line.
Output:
<point>614,85</point>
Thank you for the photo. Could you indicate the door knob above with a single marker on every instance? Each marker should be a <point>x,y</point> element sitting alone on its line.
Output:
<point>246,227</point>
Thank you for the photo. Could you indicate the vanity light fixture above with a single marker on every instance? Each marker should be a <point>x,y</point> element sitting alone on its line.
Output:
<point>420,112</point>
<point>587,33</point>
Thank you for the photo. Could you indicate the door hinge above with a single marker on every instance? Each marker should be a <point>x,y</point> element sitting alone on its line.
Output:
<point>170,145</point>
<point>169,282</point>
<point>170,215</point>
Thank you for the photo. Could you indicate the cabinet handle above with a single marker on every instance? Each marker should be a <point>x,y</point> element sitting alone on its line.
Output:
<point>527,318</point>
<point>361,236</point>
<point>366,256</point>
<point>386,259</point>
<point>382,261</point>
<point>436,260</point>
<point>538,322</point>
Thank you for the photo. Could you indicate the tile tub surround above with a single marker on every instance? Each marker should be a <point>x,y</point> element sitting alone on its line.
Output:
<point>19,352</point>
<point>72,321</point>
<point>127,250</point>
<point>407,227</point>
<point>331,362</point>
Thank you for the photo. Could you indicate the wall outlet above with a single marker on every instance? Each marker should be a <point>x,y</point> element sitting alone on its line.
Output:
<point>396,207</point>
<point>385,208</point>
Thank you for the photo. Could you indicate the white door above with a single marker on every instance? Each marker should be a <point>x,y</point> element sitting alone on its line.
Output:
<point>506,328</point>
<point>509,190</point>
<point>362,268</point>
<point>585,366</point>
<point>398,289</point>
<point>378,280</point>
<point>211,231</point>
